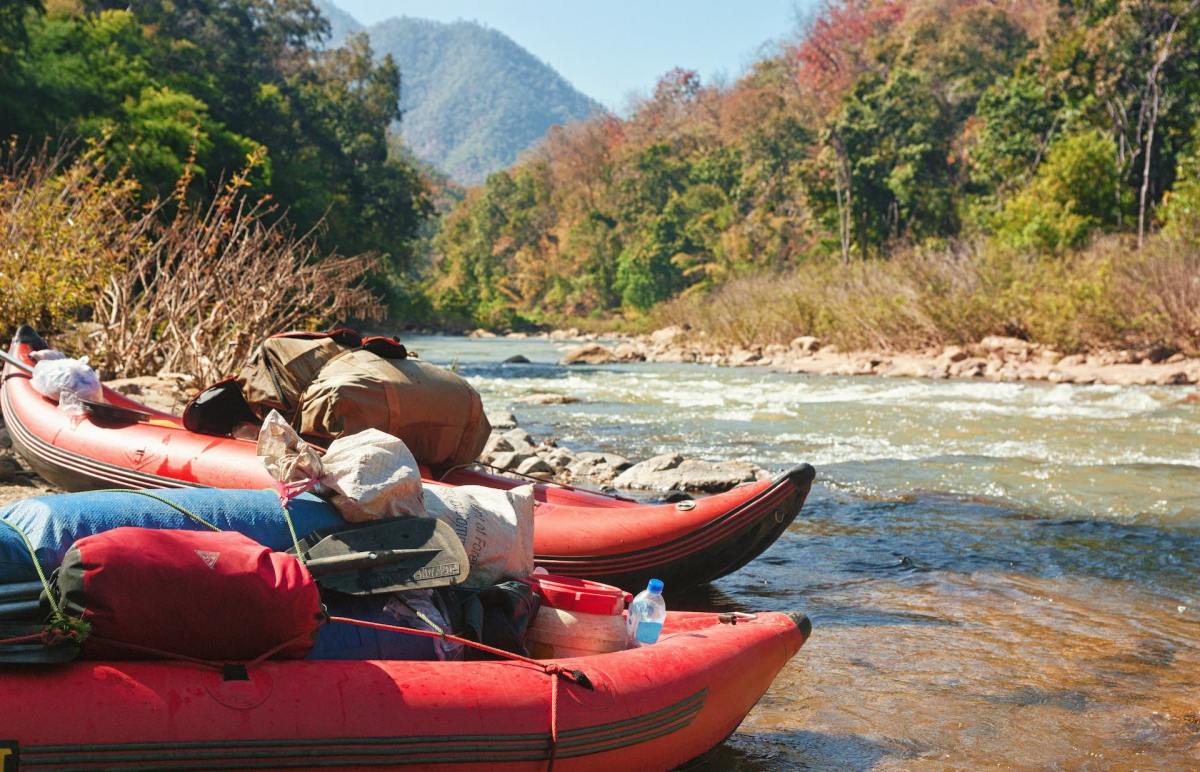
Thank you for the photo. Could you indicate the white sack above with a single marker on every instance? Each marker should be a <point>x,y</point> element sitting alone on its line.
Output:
<point>495,527</point>
<point>373,476</point>
<point>68,381</point>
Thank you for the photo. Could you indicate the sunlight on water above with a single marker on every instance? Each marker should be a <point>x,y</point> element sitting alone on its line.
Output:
<point>1128,453</point>
<point>999,575</point>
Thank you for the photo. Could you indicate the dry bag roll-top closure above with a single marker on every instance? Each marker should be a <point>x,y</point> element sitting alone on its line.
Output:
<point>333,384</point>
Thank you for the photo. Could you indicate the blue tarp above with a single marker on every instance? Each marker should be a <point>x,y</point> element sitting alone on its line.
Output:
<point>53,523</point>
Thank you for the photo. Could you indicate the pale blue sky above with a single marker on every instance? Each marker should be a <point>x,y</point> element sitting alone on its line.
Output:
<point>610,49</point>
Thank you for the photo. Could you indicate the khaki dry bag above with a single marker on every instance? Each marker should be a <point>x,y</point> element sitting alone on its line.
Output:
<point>334,384</point>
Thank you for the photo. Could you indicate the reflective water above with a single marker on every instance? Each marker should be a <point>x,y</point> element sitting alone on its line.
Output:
<point>998,574</point>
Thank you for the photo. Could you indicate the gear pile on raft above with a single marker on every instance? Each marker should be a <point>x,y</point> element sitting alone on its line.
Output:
<point>308,568</point>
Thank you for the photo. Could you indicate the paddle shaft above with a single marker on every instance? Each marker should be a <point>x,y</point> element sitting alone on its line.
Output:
<point>17,363</point>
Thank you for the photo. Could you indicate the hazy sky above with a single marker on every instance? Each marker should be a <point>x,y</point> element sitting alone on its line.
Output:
<point>610,48</point>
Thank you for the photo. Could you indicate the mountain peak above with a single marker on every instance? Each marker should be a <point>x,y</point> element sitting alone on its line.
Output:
<point>472,98</point>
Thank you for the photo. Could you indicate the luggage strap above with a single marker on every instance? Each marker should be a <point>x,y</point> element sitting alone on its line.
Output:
<point>61,628</point>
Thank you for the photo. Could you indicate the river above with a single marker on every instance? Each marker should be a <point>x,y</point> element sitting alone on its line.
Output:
<point>998,574</point>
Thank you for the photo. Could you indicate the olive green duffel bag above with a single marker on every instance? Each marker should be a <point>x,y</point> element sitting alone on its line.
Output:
<point>329,385</point>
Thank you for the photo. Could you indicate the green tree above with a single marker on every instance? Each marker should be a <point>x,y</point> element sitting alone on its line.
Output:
<point>1072,195</point>
<point>1181,209</point>
<point>897,136</point>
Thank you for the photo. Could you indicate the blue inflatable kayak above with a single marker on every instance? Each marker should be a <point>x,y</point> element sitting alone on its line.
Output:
<point>53,523</point>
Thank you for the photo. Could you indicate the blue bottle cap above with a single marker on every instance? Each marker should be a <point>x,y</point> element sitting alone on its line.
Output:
<point>655,585</point>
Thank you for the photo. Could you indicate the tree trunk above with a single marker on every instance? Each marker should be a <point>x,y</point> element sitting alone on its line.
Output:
<point>844,202</point>
<point>1154,92</point>
<point>1146,167</point>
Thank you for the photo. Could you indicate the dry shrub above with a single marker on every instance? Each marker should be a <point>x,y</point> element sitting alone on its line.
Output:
<point>202,290</point>
<point>917,299</point>
<point>63,232</point>
<point>1159,289</point>
<point>191,293</point>
<point>1108,296</point>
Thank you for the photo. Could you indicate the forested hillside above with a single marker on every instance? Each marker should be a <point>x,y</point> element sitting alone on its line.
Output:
<point>472,99</point>
<point>906,172</point>
<point>199,91</point>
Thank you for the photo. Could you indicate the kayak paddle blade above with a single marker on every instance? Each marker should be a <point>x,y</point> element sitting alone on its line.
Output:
<point>403,553</point>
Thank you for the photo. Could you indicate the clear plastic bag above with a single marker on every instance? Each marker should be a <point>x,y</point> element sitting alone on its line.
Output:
<point>287,457</point>
<point>70,381</point>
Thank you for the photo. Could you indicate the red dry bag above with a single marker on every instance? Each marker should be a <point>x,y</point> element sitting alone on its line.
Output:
<point>211,595</point>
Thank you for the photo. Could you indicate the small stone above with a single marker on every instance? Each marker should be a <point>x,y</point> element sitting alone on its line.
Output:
<point>743,357</point>
<point>511,460</point>
<point>502,420</point>
<point>8,468</point>
<point>590,354</point>
<point>516,359</point>
<point>628,352</point>
<point>534,467</point>
<point>519,439</point>
<point>954,354</point>
<point>496,443</point>
<point>1174,378</point>
<point>666,335</point>
<point>546,398</point>
<point>806,344</point>
<point>559,458</point>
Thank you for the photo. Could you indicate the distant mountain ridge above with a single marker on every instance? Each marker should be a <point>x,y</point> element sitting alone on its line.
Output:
<point>472,99</point>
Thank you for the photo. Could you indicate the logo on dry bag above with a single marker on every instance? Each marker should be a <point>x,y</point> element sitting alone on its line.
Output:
<point>10,755</point>
<point>209,558</point>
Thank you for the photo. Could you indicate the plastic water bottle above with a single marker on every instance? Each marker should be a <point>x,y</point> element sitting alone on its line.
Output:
<point>646,614</point>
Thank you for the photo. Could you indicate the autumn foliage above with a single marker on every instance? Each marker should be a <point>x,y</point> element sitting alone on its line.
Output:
<point>1027,129</point>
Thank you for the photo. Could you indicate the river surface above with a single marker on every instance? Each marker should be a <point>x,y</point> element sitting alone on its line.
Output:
<point>999,575</point>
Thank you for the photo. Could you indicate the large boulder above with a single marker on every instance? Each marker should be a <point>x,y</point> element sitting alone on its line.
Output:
<point>672,472</point>
<point>589,354</point>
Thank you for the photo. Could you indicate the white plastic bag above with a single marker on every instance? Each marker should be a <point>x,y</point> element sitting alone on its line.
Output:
<point>68,380</point>
<point>373,476</point>
<point>495,527</point>
<point>286,456</point>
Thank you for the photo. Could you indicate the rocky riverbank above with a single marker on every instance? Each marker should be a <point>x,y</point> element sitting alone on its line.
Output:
<point>994,358</point>
<point>513,450</point>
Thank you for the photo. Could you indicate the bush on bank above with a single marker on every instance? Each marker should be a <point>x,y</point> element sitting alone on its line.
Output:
<point>1108,296</point>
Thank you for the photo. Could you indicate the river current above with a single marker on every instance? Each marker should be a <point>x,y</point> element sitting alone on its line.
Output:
<point>999,575</point>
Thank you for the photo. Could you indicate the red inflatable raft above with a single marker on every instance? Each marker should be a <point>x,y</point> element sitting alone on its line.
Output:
<point>577,533</point>
<point>650,708</point>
